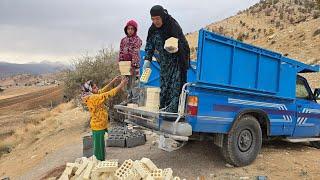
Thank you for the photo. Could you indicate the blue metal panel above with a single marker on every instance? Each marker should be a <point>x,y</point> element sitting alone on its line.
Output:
<point>287,85</point>
<point>301,67</point>
<point>226,63</point>
<point>218,57</point>
<point>244,70</point>
<point>217,111</point>
<point>308,119</point>
<point>268,77</point>
<point>192,72</point>
<point>154,79</point>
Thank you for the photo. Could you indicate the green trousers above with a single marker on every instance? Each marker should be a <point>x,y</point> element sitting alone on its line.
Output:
<point>99,144</point>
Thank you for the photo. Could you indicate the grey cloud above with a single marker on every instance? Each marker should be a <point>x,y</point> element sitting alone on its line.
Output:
<point>65,28</point>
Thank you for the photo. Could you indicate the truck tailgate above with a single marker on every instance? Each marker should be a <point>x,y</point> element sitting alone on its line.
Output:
<point>155,120</point>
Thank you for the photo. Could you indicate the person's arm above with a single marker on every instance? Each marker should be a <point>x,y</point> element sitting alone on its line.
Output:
<point>109,85</point>
<point>149,49</point>
<point>183,45</point>
<point>121,51</point>
<point>106,95</point>
<point>136,51</point>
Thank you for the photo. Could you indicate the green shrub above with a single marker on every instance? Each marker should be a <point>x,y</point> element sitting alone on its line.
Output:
<point>101,68</point>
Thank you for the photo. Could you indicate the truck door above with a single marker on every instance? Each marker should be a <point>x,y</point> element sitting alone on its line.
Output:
<point>306,118</point>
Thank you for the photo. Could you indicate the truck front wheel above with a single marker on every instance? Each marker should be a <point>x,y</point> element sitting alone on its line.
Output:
<point>243,143</point>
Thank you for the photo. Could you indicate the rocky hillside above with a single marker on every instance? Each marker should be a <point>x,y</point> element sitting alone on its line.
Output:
<point>290,27</point>
<point>11,69</point>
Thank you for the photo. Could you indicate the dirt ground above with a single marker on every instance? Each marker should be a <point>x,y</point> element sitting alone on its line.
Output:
<point>43,140</point>
<point>278,160</point>
<point>54,140</point>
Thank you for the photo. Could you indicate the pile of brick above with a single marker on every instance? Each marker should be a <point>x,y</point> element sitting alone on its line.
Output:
<point>124,137</point>
<point>90,168</point>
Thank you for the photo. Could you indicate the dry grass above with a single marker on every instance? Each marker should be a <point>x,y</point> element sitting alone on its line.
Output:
<point>63,107</point>
<point>38,133</point>
<point>33,128</point>
<point>297,40</point>
<point>26,135</point>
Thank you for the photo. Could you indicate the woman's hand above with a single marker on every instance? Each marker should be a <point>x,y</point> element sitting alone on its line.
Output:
<point>117,78</point>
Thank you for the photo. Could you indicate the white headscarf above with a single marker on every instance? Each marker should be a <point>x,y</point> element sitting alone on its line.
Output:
<point>86,89</point>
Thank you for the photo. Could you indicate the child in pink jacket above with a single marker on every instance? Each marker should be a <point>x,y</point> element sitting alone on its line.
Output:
<point>130,51</point>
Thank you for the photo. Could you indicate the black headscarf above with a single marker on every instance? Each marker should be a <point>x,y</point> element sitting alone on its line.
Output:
<point>171,28</point>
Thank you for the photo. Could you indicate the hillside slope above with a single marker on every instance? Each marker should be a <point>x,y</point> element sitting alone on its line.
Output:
<point>10,69</point>
<point>290,27</point>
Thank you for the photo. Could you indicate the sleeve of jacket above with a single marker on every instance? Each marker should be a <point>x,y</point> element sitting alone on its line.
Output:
<point>104,89</point>
<point>109,94</point>
<point>183,45</point>
<point>136,51</point>
<point>103,97</point>
<point>121,53</point>
<point>149,49</point>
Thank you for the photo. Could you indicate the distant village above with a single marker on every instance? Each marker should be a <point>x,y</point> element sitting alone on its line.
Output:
<point>24,80</point>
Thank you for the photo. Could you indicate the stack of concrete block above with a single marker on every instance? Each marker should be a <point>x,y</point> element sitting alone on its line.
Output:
<point>124,137</point>
<point>90,168</point>
<point>135,138</point>
<point>125,67</point>
<point>118,130</point>
<point>116,140</point>
<point>149,100</point>
<point>153,99</point>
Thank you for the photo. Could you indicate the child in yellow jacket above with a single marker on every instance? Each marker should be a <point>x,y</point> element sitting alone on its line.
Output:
<point>94,100</point>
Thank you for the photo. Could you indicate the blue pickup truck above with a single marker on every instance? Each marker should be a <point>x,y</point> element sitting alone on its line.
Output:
<point>238,95</point>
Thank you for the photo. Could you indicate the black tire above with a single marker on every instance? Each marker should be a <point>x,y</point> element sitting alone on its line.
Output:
<point>315,144</point>
<point>243,143</point>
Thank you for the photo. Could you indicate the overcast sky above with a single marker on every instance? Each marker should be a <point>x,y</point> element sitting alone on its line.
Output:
<point>60,30</point>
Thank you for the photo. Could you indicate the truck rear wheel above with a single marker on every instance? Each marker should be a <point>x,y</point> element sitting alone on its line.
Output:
<point>315,144</point>
<point>243,143</point>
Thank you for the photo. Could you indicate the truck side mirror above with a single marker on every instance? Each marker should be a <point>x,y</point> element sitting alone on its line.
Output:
<point>316,93</point>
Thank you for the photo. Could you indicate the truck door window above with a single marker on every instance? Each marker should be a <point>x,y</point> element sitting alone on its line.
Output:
<point>301,90</point>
